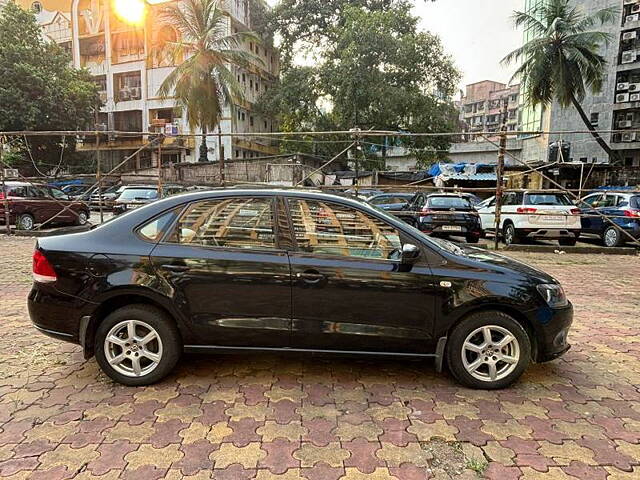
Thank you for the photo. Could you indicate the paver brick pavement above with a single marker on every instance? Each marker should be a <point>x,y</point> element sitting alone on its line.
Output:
<point>297,417</point>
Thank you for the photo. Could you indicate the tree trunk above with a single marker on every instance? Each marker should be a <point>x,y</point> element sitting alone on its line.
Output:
<point>613,155</point>
<point>203,147</point>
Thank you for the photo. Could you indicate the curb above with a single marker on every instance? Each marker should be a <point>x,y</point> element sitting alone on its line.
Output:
<point>570,250</point>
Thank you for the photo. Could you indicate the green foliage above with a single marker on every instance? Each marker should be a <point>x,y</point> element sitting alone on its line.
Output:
<point>563,61</point>
<point>372,68</point>
<point>203,82</point>
<point>39,90</point>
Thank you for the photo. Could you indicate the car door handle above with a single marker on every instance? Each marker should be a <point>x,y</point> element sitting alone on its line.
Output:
<point>176,268</point>
<point>310,277</point>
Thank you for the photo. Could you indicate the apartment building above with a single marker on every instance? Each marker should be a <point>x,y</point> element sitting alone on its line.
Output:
<point>482,107</point>
<point>129,69</point>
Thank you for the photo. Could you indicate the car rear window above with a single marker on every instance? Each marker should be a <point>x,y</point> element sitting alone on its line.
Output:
<point>133,193</point>
<point>449,202</point>
<point>546,199</point>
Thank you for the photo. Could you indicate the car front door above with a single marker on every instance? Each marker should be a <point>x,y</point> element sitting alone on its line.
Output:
<point>350,292</point>
<point>590,221</point>
<point>228,273</point>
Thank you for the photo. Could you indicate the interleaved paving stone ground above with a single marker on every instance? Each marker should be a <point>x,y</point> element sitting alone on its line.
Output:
<point>323,418</point>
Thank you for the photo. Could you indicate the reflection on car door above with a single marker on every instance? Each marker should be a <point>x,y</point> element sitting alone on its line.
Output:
<point>228,274</point>
<point>348,291</point>
<point>590,222</point>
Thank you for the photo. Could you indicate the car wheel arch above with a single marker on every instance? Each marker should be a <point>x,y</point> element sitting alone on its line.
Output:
<point>113,303</point>
<point>506,309</point>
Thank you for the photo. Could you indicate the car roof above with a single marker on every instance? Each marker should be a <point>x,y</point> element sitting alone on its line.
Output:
<point>445,194</point>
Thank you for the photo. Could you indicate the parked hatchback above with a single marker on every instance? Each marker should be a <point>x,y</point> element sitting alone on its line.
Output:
<point>268,270</point>
<point>446,215</point>
<point>32,204</point>
<point>623,212</point>
<point>533,215</point>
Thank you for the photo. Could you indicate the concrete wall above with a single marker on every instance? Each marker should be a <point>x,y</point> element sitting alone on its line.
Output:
<point>483,152</point>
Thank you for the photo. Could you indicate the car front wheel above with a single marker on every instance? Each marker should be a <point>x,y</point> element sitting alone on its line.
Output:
<point>612,237</point>
<point>488,350</point>
<point>137,345</point>
<point>82,218</point>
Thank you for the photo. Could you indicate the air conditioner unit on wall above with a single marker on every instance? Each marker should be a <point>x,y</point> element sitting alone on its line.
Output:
<point>635,8</point>
<point>11,173</point>
<point>629,137</point>
<point>634,87</point>
<point>622,98</point>
<point>632,35</point>
<point>634,97</point>
<point>622,86</point>
<point>625,124</point>
<point>632,18</point>
<point>630,2</point>
<point>629,56</point>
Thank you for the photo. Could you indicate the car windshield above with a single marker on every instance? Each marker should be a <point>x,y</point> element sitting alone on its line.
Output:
<point>546,199</point>
<point>449,202</point>
<point>143,193</point>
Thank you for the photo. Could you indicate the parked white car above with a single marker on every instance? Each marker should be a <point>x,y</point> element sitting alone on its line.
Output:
<point>533,215</point>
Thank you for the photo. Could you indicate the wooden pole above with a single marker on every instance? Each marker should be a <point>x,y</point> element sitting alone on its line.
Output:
<point>5,192</point>
<point>500,171</point>
<point>221,155</point>
<point>99,176</point>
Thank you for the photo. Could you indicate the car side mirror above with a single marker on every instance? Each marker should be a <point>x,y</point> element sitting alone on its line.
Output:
<point>410,254</point>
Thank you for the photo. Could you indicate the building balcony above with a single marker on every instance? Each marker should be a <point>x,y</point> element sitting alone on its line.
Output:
<point>255,146</point>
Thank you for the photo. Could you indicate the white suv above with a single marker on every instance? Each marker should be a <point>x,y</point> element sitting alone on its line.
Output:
<point>528,215</point>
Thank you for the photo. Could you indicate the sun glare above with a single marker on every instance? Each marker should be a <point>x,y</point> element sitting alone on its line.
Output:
<point>130,11</point>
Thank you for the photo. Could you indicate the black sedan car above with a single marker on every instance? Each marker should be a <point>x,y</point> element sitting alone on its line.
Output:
<point>295,271</point>
<point>447,215</point>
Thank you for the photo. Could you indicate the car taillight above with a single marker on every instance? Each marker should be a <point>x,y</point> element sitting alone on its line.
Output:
<point>632,213</point>
<point>1,195</point>
<point>526,210</point>
<point>575,211</point>
<point>43,271</point>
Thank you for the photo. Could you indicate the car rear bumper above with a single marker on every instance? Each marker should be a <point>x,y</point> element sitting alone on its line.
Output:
<point>56,315</point>
<point>549,233</point>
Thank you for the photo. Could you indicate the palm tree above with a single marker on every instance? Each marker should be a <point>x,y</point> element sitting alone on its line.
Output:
<point>203,83</point>
<point>562,61</point>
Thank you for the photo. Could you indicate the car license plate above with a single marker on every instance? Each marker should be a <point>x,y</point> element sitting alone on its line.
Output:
<point>451,228</point>
<point>552,218</point>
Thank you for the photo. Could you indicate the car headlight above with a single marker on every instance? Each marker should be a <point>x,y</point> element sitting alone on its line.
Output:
<point>554,295</point>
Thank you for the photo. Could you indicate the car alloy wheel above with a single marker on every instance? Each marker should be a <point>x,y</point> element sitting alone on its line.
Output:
<point>26,222</point>
<point>509,235</point>
<point>611,237</point>
<point>82,218</point>
<point>133,348</point>
<point>490,353</point>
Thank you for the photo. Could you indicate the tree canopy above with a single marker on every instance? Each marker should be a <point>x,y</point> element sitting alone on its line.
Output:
<point>39,89</point>
<point>366,64</point>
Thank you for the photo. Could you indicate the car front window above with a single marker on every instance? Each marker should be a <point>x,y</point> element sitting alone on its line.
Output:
<point>326,228</point>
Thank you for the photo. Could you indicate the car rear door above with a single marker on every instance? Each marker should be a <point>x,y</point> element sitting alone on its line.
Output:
<point>228,272</point>
<point>350,292</point>
<point>590,221</point>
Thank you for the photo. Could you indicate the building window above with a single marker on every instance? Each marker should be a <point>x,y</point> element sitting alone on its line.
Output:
<point>244,117</point>
<point>128,86</point>
<point>36,7</point>
<point>251,121</point>
<point>595,119</point>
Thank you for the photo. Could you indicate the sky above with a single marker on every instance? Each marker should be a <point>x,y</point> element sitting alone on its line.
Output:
<point>476,33</point>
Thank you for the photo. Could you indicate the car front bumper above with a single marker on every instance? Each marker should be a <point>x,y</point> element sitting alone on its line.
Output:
<point>553,326</point>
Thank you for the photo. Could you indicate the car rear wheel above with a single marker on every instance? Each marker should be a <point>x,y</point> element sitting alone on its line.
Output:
<point>509,235</point>
<point>473,238</point>
<point>137,345</point>
<point>82,218</point>
<point>612,237</point>
<point>488,350</point>
<point>26,222</point>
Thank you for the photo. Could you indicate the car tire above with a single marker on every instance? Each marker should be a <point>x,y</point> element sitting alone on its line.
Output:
<point>472,238</point>
<point>612,237</point>
<point>510,235</point>
<point>26,221</point>
<point>474,370</point>
<point>82,218</point>
<point>155,359</point>
<point>567,242</point>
